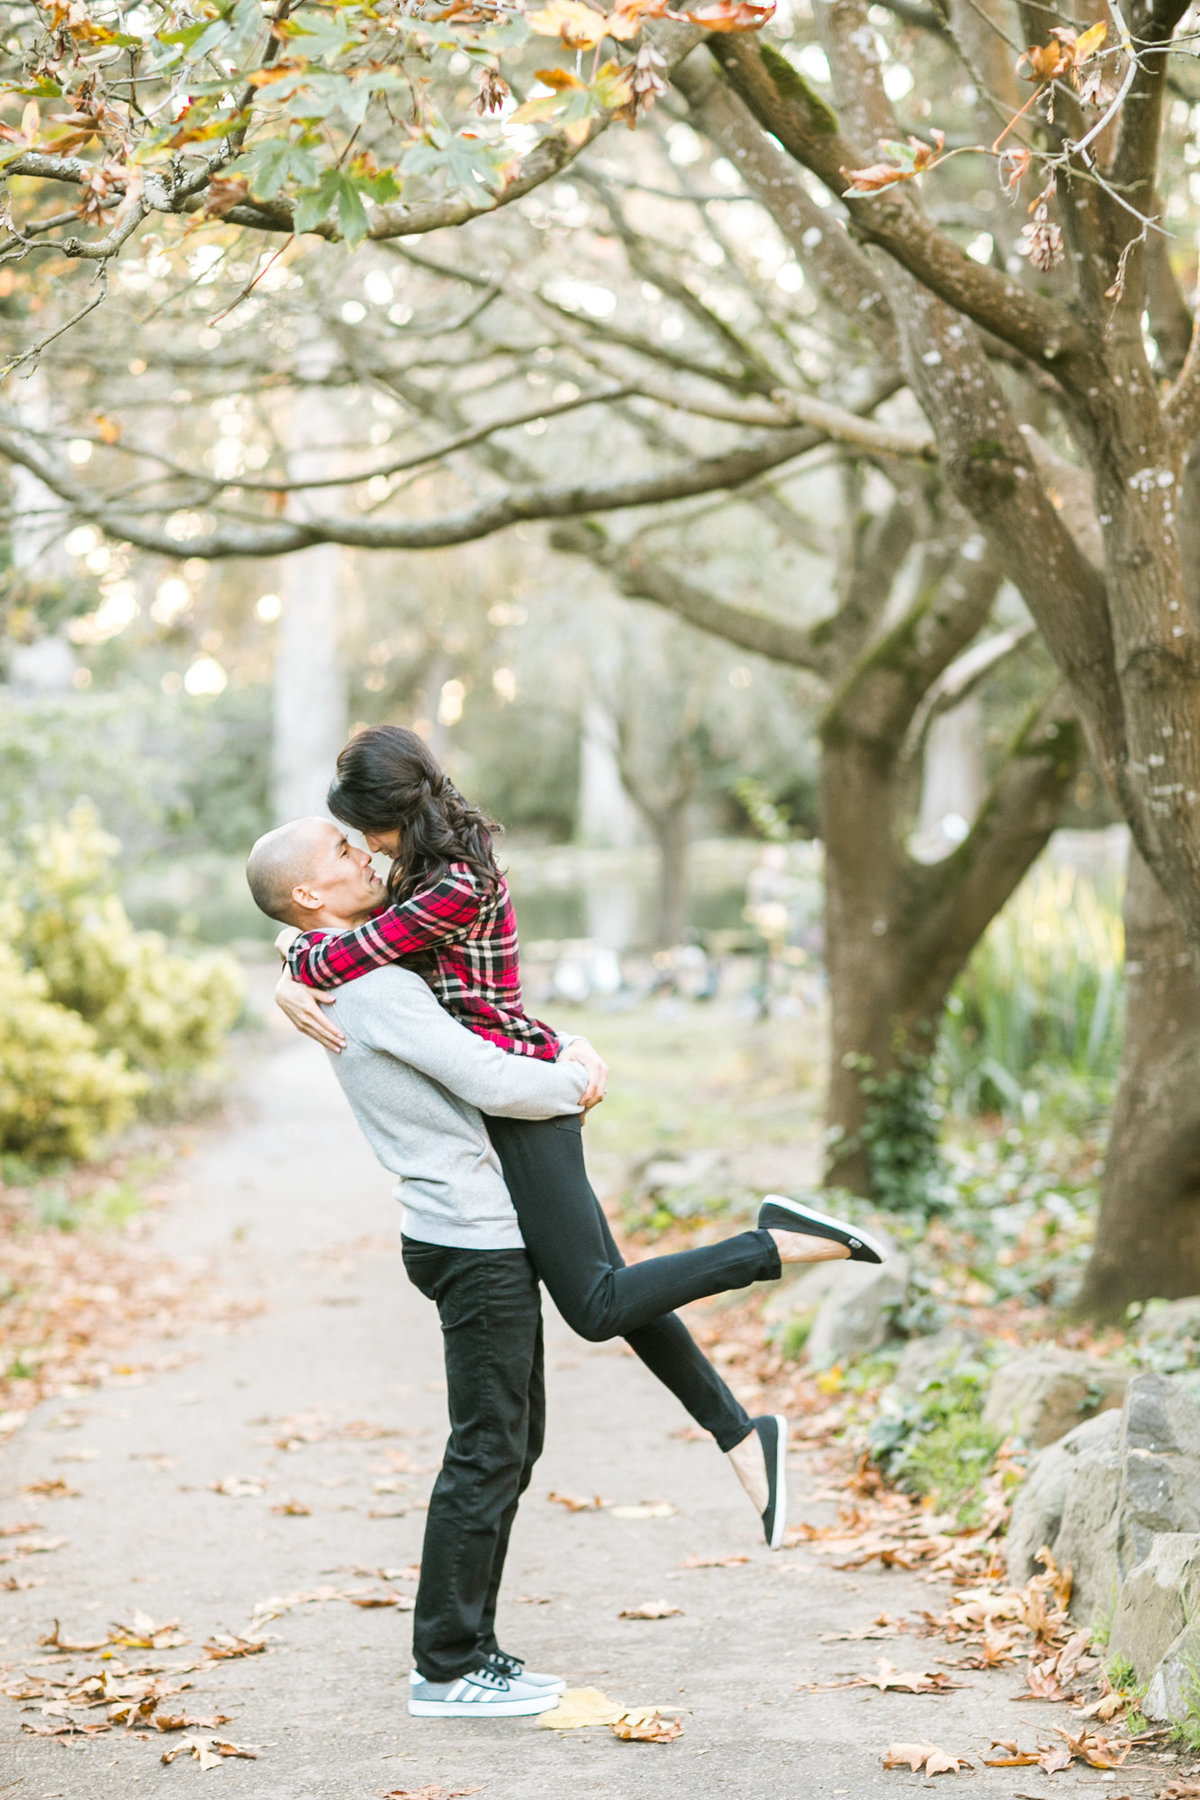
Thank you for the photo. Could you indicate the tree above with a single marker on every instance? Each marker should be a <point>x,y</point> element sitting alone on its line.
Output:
<point>1036,378</point>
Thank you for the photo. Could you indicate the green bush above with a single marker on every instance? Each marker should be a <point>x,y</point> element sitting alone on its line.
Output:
<point>166,1014</point>
<point>1040,1001</point>
<point>935,1442</point>
<point>102,1016</point>
<point>58,1094</point>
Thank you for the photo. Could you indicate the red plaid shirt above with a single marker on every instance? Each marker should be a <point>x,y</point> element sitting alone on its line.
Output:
<point>462,940</point>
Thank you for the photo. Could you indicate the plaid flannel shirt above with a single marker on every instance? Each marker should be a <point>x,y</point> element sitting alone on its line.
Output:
<point>462,941</point>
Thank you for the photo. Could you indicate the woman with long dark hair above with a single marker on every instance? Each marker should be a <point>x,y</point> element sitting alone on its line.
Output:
<point>450,916</point>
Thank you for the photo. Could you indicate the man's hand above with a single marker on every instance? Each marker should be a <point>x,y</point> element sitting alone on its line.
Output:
<point>286,938</point>
<point>580,1051</point>
<point>303,1005</point>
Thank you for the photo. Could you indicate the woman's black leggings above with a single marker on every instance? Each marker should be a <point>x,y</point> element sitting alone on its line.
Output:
<point>572,1249</point>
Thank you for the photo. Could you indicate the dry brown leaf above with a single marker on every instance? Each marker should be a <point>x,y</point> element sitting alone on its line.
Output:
<point>50,1488</point>
<point>186,1721</point>
<point>712,1562</point>
<point>19,1530</point>
<point>646,1728</point>
<point>653,1609</point>
<point>534,1600</point>
<point>923,1756</point>
<point>577,1503</point>
<point>1093,1748</point>
<point>207,1751</point>
<point>435,1792</point>
<point>54,1640</point>
<point>1180,1790</point>
<point>884,1626</point>
<point>580,1707</point>
<point>239,1487</point>
<point>402,1602</point>
<point>222,1647</point>
<point>293,1509</point>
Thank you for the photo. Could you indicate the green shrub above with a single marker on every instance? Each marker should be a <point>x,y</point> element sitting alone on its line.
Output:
<point>105,1016</point>
<point>935,1442</point>
<point>1040,999</point>
<point>58,1094</point>
<point>166,1014</point>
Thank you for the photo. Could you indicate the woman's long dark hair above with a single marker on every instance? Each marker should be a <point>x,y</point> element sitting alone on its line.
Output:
<point>388,779</point>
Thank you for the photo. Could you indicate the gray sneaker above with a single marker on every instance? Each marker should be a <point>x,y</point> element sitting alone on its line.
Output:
<point>483,1694</point>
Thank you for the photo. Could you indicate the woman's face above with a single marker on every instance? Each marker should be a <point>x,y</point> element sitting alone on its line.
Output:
<point>386,841</point>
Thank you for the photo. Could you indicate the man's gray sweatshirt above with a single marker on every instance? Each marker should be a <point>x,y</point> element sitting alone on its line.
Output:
<point>418,1082</point>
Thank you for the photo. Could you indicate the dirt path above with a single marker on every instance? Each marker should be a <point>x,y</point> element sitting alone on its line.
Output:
<point>342,1363</point>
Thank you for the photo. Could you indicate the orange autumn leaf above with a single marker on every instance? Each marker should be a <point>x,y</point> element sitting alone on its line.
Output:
<point>905,162</point>
<point>730,15</point>
<point>923,1756</point>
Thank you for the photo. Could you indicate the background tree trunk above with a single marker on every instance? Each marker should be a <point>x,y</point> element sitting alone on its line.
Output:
<point>1148,1233</point>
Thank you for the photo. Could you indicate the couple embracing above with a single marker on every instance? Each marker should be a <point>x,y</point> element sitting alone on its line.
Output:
<point>413,987</point>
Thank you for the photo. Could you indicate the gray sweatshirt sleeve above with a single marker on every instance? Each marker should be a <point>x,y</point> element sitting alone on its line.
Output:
<point>407,1022</point>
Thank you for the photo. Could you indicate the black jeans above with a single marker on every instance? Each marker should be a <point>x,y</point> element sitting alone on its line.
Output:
<point>567,1235</point>
<point>490,1310</point>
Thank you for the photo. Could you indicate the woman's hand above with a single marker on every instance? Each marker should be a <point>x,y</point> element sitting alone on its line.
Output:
<point>579,1050</point>
<point>302,1006</point>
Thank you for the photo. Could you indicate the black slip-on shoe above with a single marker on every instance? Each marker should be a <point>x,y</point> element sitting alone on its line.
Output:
<point>772,1429</point>
<point>778,1213</point>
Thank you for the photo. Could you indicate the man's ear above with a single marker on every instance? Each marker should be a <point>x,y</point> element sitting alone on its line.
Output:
<point>306,900</point>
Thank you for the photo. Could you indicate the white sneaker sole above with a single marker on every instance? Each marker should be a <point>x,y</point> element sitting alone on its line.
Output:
<point>779,1523</point>
<point>483,1709</point>
<point>801,1213</point>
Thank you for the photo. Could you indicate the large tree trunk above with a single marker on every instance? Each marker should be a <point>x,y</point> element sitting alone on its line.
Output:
<point>1148,1233</point>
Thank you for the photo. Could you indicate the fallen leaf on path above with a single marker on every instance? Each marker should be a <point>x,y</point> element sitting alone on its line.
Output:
<point>646,1728</point>
<point>712,1562</point>
<point>13,1584</point>
<point>223,1647</point>
<point>293,1509</point>
<point>888,1678</point>
<point>923,1756</point>
<point>653,1609</point>
<point>580,1707</point>
<point>645,1509</point>
<point>577,1503</point>
<point>402,1602</point>
<point>32,1547</point>
<point>882,1627</point>
<point>187,1722</point>
<point>1013,1757</point>
<point>430,1793</point>
<point>534,1600</point>
<point>65,1728</point>
<point>143,1634</point>
<point>1180,1790</point>
<point>54,1640</point>
<point>1098,1751</point>
<point>50,1488</point>
<point>207,1751</point>
<point>275,1604</point>
<point>20,1529</point>
<point>239,1487</point>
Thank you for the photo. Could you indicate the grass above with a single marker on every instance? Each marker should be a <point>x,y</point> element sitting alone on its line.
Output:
<point>934,1443</point>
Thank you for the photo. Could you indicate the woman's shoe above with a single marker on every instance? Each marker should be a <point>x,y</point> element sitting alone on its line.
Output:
<point>778,1213</point>
<point>772,1429</point>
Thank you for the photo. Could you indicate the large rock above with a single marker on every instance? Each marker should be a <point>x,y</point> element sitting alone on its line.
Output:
<point>1156,1601</point>
<point>1174,1691</point>
<point>857,1312</point>
<point>1100,1496</point>
<point>1043,1395</point>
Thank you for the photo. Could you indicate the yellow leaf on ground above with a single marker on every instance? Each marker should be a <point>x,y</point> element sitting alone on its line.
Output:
<point>653,1609</point>
<point>647,1727</point>
<point>923,1756</point>
<point>580,1707</point>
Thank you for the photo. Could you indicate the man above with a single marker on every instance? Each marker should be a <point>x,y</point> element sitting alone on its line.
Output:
<point>417,1082</point>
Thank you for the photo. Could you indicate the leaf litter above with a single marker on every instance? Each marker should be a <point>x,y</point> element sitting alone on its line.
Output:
<point>579,1709</point>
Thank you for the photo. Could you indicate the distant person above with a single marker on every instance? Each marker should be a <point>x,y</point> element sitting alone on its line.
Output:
<point>448,914</point>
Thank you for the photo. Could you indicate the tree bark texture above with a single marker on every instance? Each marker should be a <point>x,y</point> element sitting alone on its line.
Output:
<point>1148,1233</point>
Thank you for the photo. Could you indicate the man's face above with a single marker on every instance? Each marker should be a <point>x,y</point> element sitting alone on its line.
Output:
<point>341,880</point>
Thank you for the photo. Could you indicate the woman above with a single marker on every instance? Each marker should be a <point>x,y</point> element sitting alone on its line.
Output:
<point>450,915</point>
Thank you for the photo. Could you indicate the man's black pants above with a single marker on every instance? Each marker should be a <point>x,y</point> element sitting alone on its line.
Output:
<point>490,1309</point>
